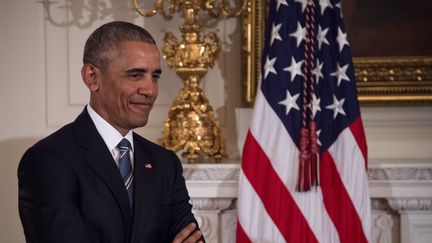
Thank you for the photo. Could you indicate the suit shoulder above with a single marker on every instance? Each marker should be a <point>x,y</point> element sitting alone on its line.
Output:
<point>58,139</point>
<point>49,151</point>
<point>60,144</point>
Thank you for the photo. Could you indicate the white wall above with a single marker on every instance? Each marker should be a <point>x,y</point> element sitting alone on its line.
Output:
<point>40,90</point>
<point>22,106</point>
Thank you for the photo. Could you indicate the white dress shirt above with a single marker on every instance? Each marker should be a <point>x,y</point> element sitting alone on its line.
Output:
<point>110,135</point>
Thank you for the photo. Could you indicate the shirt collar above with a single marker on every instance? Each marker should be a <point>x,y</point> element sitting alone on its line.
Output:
<point>109,134</point>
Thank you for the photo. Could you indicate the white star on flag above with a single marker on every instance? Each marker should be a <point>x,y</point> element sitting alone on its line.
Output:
<point>318,140</point>
<point>275,33</point>
<point>318,71</point>
<point>315,105</point>
<point>299,34</point>
<point>324,5</point>
<point>336,107</point>
<point>294,68</point>
<point>340,74</point>
<point>279,2</point>
<point>321,36</point>
<point>342,39</point>
<point>290,102</point>
<point>268,67</point>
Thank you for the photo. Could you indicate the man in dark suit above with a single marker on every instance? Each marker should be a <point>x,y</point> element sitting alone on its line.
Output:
<point>94,180</point>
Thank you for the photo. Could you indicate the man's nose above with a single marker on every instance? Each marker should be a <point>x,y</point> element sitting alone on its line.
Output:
<point>147,87</point>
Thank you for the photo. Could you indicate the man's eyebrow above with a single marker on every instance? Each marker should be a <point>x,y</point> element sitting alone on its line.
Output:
<point>142,70</point>
<point>136,70</point>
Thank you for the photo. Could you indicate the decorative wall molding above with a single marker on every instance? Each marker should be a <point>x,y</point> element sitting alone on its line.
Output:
<point>410,204</point>
<point>208,223</point>
<point>380,204</point>
<point>212,180</point>
<point>400,173</point>
<point>211,218</point>
<point>400,180</point>
<point>382,227</point>
<point>416,226</point>
<point>206,172</point>
<point>215,204</point>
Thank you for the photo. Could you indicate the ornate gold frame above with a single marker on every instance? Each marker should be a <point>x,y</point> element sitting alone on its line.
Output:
<point>380,80</point>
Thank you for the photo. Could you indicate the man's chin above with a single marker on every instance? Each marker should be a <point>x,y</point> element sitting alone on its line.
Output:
<point>139,124</point>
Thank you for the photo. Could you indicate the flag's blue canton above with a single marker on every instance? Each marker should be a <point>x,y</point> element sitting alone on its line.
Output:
<point>336,86</point>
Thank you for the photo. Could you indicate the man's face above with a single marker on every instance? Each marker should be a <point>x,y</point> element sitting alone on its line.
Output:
<point>128,86</point>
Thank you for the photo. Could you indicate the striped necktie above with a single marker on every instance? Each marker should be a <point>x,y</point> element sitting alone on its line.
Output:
<point>125,165</point>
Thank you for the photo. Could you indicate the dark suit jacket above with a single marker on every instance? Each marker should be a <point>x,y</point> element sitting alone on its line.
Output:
<point>70,190</point>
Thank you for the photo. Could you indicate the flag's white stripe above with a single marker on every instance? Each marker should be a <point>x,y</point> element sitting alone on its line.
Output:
<point>252,215</point>
<point>350,164</point>
<point>276,143</point>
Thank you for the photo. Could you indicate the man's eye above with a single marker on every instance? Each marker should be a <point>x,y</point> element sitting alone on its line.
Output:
<point>136,76</point>
<point>156,76</point>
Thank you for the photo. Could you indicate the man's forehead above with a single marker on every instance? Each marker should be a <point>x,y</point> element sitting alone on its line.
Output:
<point>137,44</point>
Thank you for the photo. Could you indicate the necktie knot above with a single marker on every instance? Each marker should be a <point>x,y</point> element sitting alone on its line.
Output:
<point>124,145</point>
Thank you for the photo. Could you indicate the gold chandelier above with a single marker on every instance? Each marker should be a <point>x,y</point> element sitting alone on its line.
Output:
<point>191,124</point>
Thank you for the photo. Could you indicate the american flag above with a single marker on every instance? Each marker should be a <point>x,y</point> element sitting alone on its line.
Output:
<point>270,206</point>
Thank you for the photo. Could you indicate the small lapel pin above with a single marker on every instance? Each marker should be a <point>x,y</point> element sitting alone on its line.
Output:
<point>148,165</point>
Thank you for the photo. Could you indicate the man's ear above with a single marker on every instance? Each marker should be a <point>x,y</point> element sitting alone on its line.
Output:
<point>88,74</point>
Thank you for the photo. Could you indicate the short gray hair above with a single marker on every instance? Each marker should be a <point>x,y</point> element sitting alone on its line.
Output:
<point>106,39</point>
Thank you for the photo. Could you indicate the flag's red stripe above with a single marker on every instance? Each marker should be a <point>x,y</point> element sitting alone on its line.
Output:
<point>241,236</point>
<point>338,203</point>
<point>274,195</point>
<point>358,132</point>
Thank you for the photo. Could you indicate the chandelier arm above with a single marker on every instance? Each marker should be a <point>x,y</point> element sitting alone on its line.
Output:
<point>47,5</point>
<point>156,7</point>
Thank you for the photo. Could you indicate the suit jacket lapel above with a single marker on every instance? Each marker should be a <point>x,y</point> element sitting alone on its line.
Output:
<point>100,160</point>
<point>144,172</point>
